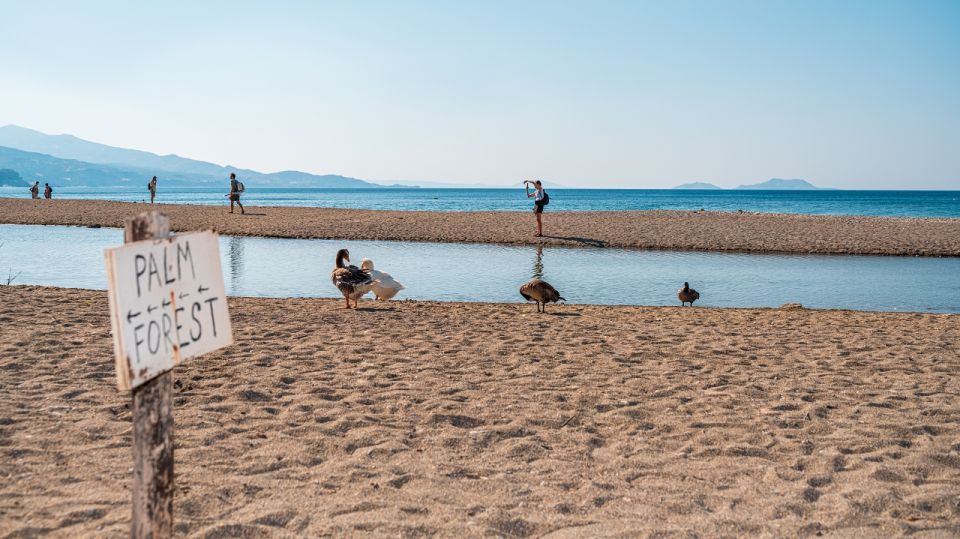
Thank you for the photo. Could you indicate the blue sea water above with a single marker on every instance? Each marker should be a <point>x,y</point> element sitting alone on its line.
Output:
<point>820,202</point>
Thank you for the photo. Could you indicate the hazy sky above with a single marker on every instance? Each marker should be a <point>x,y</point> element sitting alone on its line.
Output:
<point>856,94</point>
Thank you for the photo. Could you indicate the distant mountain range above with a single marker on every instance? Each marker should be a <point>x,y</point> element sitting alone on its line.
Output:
<point>774,184</point>
<point>69,160</point>
<point>11,178</point>
<point>65,160</point>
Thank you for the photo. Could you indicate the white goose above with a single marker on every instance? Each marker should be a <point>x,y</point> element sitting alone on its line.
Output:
<point>384,286</point>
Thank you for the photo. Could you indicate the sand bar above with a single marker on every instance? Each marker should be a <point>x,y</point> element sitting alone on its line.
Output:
<point>707,231</point>
<point>415,419</point>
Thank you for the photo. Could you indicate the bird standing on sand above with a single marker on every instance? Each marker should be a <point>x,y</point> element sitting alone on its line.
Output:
<point>352,281</point>
<point>541,292</point>
<point>687,295</point>
<point>384,286</point>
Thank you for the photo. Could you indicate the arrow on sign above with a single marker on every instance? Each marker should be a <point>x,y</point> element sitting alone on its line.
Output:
<point>150,309</point>
<point>166,303</point>
<point>201,289</point>
<point>131,315</point>
<point>183,295</point>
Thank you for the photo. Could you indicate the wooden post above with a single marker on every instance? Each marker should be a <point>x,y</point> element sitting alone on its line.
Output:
<point>152,424</point>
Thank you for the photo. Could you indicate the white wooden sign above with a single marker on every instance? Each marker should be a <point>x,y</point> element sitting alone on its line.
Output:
<point>167,303</point>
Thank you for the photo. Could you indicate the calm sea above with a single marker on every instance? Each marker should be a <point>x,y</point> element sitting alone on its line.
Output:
<point>886,203</point>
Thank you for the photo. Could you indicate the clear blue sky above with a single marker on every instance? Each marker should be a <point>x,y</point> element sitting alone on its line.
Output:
<point>854,94</point>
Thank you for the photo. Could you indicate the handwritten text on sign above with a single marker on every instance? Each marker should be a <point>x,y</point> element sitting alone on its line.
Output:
<point>167,303</point>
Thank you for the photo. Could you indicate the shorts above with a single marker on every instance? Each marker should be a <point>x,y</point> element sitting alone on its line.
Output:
<point>537,207</point>
<point>235,198</point>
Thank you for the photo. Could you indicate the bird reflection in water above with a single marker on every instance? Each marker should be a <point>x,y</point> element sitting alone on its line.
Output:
<point>538,263</point>
<point>235,254</point>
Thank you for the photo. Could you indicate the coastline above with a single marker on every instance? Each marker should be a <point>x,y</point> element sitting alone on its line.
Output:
<point>419,418</point>
<point>663,230</point>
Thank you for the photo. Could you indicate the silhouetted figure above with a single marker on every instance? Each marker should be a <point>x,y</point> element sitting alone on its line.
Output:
<point>35,191</point>
<point>47,191</point>
<point>235,189</point>
<point>152,187</point>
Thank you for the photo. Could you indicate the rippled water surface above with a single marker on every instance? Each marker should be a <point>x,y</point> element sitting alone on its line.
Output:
<point>73,257</point>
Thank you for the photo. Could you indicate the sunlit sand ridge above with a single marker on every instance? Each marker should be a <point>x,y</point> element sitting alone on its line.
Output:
<point>709,231</point>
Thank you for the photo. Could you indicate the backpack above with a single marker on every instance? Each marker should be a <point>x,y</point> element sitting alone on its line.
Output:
<point>545,200</point>
<point>240,187</point>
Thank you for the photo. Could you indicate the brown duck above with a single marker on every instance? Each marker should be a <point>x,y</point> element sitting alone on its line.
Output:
<point>541,292</point>
<point>352,281</point>
<point>687,295</point>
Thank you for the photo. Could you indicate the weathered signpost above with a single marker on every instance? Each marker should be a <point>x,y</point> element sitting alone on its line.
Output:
<point>167,303</point>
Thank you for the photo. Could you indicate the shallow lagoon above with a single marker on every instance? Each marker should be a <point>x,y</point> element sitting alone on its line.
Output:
<point>73,257</point>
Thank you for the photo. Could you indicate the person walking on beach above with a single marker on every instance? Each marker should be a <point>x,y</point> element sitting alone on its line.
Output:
<point>235,189</point>
<point>35,191</point>
<point>47,191</point>
<point>152,187</point>
<point>540,199</point>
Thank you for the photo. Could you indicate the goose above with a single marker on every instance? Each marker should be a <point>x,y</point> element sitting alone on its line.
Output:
<point>350,280</point>
<point>541,292</point>
<point>384,286</point>
<point>687,295</point>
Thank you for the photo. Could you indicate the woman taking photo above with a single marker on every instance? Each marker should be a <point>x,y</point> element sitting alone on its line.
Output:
<point>540,199</point>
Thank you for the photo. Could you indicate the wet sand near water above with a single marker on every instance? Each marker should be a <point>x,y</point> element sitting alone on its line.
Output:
<point>416,419</point>
<point>706,231</point>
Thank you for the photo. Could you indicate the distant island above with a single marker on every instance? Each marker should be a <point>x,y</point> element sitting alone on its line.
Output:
<point>774,184</point>
<point>71,161</point>
<point>697,185</point>
<point>777,184</point>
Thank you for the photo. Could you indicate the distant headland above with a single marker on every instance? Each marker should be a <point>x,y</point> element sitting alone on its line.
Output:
<point>72,161</point>
<point>11,178</point>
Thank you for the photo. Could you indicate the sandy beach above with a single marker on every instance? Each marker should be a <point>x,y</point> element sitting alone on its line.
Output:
<point>418,419</point>
<point>706,231</point>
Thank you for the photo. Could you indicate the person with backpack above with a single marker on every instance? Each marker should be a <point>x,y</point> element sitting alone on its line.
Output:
<point>152,187</point>
<point>236,188</point>
<point>540,199</point>
<point>35,191</point>
<point>47,191</point>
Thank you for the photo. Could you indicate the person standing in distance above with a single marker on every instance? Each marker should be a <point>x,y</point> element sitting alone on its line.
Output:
<point>35,191</point>
<point>47,191</point>
<point>540,199</point>
<point>235,193</point>
<point>152,187</point>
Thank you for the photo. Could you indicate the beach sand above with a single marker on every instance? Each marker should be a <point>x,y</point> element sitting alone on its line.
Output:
<point>706,231</point>
<point>415,419</point>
